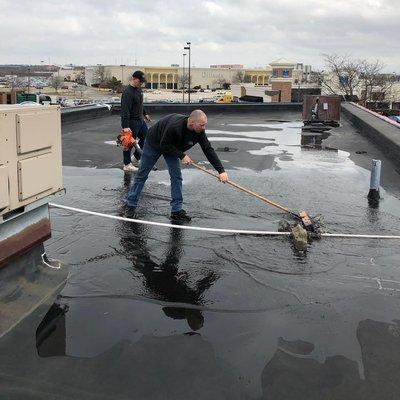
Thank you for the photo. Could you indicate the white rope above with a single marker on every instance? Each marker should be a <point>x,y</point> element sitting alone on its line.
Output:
<point>193,228</point>
<point>360,236</point>
<point>216,230</point>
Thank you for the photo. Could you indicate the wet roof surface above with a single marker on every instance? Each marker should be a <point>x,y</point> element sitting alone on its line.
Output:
<point>161,313</point>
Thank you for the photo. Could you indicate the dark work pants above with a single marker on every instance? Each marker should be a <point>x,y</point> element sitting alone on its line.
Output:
<point>139,130</point>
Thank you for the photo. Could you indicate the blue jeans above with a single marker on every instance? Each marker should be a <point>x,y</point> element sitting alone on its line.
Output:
<point>139,129</point>
<point>149,158</point>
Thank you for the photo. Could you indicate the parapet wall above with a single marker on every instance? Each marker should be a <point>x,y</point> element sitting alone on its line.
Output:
<point>382,132</point>
<point>80,113</point>
<point>210,108</point>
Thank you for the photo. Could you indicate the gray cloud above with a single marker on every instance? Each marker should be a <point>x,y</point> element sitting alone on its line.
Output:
<point>252,32</point>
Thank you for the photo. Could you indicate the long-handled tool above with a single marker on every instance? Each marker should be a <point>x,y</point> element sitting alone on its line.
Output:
<point>302,216</point>
<point>138,148</point>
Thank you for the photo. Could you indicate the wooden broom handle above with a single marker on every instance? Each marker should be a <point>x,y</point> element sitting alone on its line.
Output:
<point>243,189</point>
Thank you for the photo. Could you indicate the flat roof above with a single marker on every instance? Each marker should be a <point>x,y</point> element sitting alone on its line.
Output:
<point>150,312</point>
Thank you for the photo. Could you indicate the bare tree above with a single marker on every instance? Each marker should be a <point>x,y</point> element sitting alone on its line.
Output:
<point>80,78</point>
<point>183,80</point>
<point>384,84</point>
<point>376,85</point>
<point>220,82</point>
<point>325,80</point>
<point>100,75</point>
<point>238,77</point>
<point>241,77</point>
<point>342,74</point>
<point>56,82</point>
<point>14,82</point>
<point>350,77</point>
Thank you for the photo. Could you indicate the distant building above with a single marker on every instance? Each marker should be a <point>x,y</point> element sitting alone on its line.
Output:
<point>282,79</point>
<point>227,66</point>
<point>276,79</point>
<point>302,73</point>
<point>164,77</point>
<point>70,73</point>
<point>9,96</point>
<point>258,76</point>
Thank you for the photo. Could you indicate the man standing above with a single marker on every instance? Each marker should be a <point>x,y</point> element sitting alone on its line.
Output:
<point>132,113</point>
<point>170,137</point>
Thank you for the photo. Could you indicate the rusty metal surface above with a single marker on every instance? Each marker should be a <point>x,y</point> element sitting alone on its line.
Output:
<point>332,113</point>
<point>21,242</point>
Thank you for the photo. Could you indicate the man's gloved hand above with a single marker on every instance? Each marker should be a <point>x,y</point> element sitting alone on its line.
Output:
<point>223,177</point>
<point>186,160</point>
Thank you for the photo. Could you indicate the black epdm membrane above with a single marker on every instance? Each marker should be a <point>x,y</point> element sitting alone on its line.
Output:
<point>160,313</point>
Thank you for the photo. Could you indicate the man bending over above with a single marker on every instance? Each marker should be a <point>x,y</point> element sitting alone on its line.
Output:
<point>170,137</point>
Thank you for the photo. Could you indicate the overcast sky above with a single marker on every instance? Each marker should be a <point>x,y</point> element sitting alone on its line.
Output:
<point>249,32</point>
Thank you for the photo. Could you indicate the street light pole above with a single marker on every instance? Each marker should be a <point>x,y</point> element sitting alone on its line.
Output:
<point>122,74</point>
<point>188,48</point>
<point>29,81</point>
<point>183,78</point>
<point>298,92</point>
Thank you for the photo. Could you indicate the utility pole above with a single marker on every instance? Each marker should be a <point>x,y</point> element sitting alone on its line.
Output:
<point>188,48</point>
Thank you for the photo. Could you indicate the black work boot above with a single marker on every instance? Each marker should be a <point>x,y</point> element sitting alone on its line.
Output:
<point>180,216</point>
<point>130,212</point>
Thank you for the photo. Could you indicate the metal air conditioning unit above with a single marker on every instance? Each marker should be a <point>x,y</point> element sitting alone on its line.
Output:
<point>30,175</point>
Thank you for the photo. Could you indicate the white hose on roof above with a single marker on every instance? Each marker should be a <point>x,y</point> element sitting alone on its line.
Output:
<point>216,230</point>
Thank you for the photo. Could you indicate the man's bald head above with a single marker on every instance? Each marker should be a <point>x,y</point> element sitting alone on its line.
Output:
<point>197,121</point>
<point>196,114</point>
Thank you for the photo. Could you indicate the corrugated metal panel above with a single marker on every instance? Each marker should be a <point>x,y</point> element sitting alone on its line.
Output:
<point>36,175</point>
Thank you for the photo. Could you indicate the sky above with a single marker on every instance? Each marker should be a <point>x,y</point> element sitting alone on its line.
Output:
<point>154,32</point>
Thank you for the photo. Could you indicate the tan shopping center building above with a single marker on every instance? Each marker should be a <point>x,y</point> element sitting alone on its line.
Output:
<point>277,78</point>
<point>171,77</point>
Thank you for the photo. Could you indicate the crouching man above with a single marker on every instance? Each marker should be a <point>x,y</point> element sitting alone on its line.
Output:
<point>170,137</point>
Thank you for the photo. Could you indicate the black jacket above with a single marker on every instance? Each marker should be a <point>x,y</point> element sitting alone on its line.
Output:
<point>131,105</point>
<point>171,136</point>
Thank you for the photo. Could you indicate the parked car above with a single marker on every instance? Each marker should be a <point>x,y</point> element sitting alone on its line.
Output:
<point>44,99</point>
<point>224,99</point>
<point>29,103</point>
<point>207,100</point>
